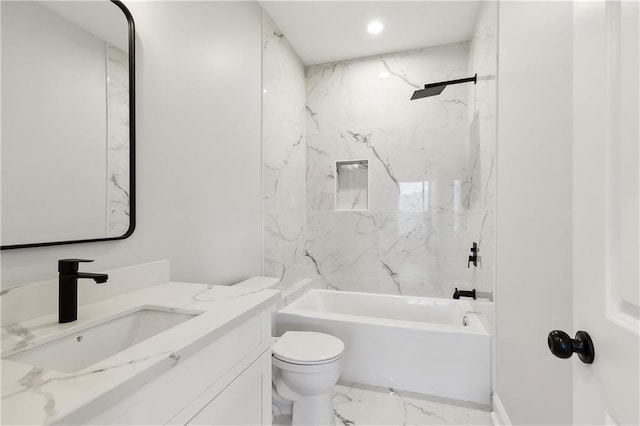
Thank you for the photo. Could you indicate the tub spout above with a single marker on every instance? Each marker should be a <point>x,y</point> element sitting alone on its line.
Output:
<point>464,293</point>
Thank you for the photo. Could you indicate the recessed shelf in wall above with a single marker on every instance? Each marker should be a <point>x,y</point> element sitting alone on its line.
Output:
<point>352,185</point>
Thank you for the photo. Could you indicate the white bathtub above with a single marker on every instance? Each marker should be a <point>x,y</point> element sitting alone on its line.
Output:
<point>406,343</point>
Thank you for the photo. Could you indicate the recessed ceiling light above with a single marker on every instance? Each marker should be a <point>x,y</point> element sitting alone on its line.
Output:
<point>375,27</point>
<point>384,74</point>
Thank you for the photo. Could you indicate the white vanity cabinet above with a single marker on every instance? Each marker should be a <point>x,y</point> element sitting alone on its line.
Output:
<point>240,402</point>
<point>228,382</point>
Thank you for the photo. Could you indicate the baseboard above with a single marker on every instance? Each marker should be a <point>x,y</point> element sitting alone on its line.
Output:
<point>499,414</point>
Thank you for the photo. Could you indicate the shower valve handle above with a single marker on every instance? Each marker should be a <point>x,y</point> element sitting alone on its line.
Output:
<point>474,255</point>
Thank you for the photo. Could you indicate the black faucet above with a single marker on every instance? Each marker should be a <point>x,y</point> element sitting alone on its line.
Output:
<point>68,287</point>
<point>464,293</point>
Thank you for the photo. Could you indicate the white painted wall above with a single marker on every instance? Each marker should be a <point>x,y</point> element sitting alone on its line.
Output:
<point>534,209</point>
<point>48,128</point>
<point>198,147</point>
<point>202,80</point>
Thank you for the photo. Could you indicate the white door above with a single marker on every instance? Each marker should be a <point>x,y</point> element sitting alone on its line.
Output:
<point>606,216</point>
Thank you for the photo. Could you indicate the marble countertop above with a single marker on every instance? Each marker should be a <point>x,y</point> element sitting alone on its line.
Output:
<point>32,395</point>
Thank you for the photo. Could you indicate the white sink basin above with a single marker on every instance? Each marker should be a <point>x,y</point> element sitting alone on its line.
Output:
<point>77,351</point>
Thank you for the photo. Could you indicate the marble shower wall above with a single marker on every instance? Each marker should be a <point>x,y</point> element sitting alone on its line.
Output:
<point>430,167</point>
<point>414,238</point>
<point>283,152</point>
<point>482,143</point>
<point>117,141</point>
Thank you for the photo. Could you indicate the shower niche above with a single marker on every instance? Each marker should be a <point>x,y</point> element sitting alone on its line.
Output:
<point>352,185</point>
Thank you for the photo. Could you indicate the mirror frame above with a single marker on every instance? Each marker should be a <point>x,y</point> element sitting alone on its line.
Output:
<point>132,145</point>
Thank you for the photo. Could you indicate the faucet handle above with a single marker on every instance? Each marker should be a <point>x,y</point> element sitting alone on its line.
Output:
<point>70,266</point>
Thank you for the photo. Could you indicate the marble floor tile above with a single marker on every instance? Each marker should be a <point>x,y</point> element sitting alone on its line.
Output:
<point>355,404</point>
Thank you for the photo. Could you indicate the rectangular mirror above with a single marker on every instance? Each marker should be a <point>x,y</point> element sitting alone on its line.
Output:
<point>68,122</point>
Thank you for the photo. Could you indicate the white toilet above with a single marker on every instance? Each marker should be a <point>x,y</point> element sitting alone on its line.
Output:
<point>306,365</point>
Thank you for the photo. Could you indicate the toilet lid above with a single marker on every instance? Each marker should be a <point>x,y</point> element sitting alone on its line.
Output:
<point>307,347</point>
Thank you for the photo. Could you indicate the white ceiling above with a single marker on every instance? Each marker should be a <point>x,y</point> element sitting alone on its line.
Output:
<point>327,31</point>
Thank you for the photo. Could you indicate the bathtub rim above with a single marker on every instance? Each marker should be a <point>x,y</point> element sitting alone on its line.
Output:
<point>476,327</point>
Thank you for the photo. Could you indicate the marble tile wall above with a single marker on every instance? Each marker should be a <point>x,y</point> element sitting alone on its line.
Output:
<point>430,165</point>
<point>117,141</point>
<point>413,239</point>
<point>482,144</point>
<point>283,151</point>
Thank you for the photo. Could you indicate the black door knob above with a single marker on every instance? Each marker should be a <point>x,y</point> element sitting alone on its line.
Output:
<point>563,346</point>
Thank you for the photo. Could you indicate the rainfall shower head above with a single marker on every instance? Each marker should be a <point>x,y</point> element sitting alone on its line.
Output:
<point>429,90</point>
<point>435,89</point>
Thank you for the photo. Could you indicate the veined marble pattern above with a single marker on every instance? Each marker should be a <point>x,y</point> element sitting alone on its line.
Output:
<point>367,405</point>
<point>40,395</point>
<point>407,247</point>
<point>355,404</point>
<point>343,247</point>
<point>372,93</point>
<point>117,142</point>
<point>284,160</point>
<point>389,252</point>
<point>284,247</point>
<point>283,123</point>
<point>413,239</point>
<point>482,145</point>
<point>430,164</point>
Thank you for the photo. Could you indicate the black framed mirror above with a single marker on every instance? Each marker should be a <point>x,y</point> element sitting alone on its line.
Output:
<point>68,122</point>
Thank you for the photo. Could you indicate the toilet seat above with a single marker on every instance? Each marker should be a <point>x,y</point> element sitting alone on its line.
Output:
<point>327,367</point>
<point>307,348</point>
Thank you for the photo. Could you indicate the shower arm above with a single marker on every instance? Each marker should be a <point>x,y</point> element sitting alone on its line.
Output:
<point>447,83</point>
